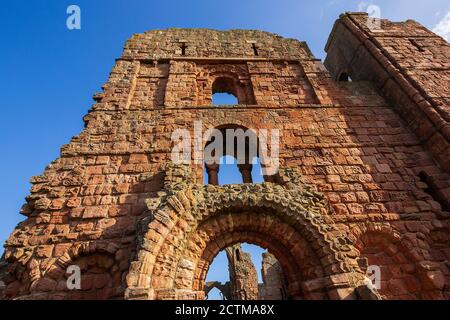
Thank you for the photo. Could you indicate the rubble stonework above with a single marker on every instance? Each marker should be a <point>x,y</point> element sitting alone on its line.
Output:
<point>243,277</point>
<point>363,178</point>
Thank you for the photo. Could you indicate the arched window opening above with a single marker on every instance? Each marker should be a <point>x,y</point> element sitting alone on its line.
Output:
<point>224,99</point>
<point>224,92</point>
<point>218,276</point>
<point>344,77</point>
<point>228,174</point>
<point>215,294</point>
<point>233,158</point>
<point>255,49</point>
<point>245,272</point>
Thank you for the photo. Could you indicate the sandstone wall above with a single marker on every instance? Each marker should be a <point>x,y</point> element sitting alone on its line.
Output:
<point>350,141</point>
<point>243,278</point>
<point>273,286</point>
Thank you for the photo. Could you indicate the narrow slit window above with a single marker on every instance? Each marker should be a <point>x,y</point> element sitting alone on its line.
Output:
<point>255,49</point>
<point>238,255</point>
<point>183,48</point>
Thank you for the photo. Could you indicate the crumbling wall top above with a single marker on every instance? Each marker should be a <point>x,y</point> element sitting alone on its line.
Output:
<point>207,43</point>
<point>386,28</point>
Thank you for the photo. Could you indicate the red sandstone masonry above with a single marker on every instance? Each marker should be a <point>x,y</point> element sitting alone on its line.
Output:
<point>404,60</point>
<point>361,144</point>
<point>243,278</point>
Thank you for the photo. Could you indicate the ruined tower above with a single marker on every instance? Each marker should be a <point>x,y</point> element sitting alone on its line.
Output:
<point>274,285</point>
<point>243,278</point>
<point>363,177</point>
<point>243,283</point>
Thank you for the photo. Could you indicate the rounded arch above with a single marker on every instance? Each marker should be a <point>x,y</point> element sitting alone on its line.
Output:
<point>344,77</point>
<point>229,82</point>
<point>251,137</point>
<point>298,261</point>
<point>225,84</point>
<point>31,267</point>
<point>405,271</point>
<point>240,143</point>
<point>102,273</point>
<point>167,265</point>
<point>358,232</point>
<point>79,250</point>
<point>224,289</point>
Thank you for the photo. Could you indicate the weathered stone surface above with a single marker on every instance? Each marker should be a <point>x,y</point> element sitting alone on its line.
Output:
<point>243,278</point>
<point>273,286</point>
<point>364,170</point>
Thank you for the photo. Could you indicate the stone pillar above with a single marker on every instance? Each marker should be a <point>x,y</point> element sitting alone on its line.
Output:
<point>213,173</point>
<point>243,278</point>
<point>246,171</point>
<point>266,170</point>
<point>273,287</point>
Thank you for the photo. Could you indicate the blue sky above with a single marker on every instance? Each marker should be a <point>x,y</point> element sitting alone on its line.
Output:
<point>49,73</point>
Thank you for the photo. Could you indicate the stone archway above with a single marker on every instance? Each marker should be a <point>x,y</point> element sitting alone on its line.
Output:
<point>231,79</point>
<point>238,142</point>
<point>102,273</point>
<point>189,224</point>
<point>402,264</point>
<point>224,289</point>
<point>262,229</point>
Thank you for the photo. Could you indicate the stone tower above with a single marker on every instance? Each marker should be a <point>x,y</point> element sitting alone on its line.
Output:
<point>273,286</point>
<point>363,178</point>
<point>243,278</point>
<point>243,284</point>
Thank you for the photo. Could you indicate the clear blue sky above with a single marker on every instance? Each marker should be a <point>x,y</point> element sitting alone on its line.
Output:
<point>49,74</point>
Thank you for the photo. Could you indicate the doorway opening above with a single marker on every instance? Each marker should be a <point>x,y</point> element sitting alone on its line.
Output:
<point>245,272</point>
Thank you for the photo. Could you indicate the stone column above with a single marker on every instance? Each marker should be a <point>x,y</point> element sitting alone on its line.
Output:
<point>246,171</point>
<point>273,278</point>
<point>213,173</point>
<point>267,178</point>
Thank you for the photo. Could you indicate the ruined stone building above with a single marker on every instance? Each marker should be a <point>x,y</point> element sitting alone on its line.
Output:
<point>243,284</point>
<point>274,286</point>
<point>363,177</point>
<point>243,278</point>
